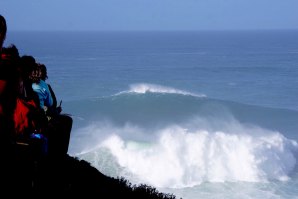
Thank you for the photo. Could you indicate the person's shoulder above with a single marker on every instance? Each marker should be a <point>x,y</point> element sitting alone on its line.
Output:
<point>36,86</point>
<point>40,84</point>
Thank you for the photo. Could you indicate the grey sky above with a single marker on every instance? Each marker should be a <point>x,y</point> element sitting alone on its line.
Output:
<point>149,14</point>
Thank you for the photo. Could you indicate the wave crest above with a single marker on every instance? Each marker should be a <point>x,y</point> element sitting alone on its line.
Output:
<point>143,88</point>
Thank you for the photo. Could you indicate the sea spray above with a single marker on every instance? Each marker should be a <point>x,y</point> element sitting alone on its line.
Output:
<point>181,158</point>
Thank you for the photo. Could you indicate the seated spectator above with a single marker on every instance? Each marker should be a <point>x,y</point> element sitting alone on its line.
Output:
<point>30,122</point>
<point>27,67</point>
<point>60,125</point>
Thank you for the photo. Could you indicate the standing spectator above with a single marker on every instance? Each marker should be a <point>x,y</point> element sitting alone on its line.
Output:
<point>7,94</point>
<point>4,77</point>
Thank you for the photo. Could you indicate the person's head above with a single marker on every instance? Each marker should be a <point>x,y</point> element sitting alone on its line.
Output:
<point>35,75</point>
<point>3,29</point>
<point>28,65</point>
<point>10,58</point>
<point>10,53</point>
<point>43,70</point>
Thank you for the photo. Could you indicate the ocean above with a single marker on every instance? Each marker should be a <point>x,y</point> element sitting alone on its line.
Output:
<point>199,114</point>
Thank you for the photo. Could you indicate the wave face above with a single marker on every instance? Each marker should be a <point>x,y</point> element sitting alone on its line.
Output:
<point>170,138</point>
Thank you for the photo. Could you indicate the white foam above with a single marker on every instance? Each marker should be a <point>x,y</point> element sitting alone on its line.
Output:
<point>181,157</point>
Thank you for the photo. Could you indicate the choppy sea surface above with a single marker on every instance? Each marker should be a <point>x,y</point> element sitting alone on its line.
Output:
<point>196,114</point>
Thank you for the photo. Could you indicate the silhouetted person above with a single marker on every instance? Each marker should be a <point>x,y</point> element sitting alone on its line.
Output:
<point>7,96</point>
<point>29,118</point>
<point>8,81</point>
<point>27,67</point>
<point>6,125</point>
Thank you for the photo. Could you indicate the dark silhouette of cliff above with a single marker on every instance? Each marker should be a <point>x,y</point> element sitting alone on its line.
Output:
<point>35,176</point>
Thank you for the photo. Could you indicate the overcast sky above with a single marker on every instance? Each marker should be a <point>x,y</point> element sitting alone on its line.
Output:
<point>149,14</point>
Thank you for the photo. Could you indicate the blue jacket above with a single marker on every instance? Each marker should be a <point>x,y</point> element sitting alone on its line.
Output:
<point>43,93</point>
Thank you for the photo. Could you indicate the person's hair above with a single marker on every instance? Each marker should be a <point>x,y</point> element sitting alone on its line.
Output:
<point>43,70</point>
<point>28,64</point>
<point>34,76</point>
<point>3,29</point>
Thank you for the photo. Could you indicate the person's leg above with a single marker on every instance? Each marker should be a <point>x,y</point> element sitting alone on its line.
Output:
<point>65,126</point>
<point>59,135</point>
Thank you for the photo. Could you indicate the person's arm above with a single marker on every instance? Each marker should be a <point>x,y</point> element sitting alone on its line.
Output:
<point>53,96</point>
<point>57,108</point>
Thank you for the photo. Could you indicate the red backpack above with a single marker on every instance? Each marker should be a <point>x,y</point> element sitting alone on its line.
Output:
<point>27,118</point>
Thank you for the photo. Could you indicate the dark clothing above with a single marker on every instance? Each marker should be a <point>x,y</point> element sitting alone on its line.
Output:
<point>8,77</point>
<point>53,96</point>
<point>59,134</point>
<point>29,93</point>
<point>9,74</point>
<point>54,109</point>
